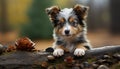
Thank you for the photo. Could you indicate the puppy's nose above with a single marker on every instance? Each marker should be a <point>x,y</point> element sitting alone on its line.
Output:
<point>67,32</point>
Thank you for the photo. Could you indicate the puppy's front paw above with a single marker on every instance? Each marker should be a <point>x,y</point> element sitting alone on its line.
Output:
<point>58,52</point>
<point>79,52</point>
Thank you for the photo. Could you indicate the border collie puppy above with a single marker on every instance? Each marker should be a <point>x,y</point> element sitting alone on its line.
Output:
<point>69,29</point>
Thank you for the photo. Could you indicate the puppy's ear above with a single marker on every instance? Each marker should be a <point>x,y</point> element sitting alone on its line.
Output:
<point>52,12</point>
<point>81,11</point>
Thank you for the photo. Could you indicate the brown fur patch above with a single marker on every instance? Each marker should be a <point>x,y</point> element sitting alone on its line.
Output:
<point>81,46</point>
<point>61,20</point>
<point>81,11</point>
<point>76,30</point>
<point>53,10</point>
<point>59,31</point>
<point>71,19</point>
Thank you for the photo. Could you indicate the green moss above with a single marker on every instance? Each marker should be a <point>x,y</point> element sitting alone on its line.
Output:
<point>8,53</point>
<point>91,60</point>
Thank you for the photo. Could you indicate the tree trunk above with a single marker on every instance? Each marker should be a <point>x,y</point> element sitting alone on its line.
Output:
<point>115,16</point>
<point>4,27</point>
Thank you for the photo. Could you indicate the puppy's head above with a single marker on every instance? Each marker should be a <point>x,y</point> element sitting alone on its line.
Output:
<point>68,21</point>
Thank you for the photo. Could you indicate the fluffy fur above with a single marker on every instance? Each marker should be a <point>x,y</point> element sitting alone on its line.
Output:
<point>69,29</point>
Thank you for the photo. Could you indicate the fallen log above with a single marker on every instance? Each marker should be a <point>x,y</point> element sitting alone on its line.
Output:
<point>32,60</point>
<point>102,51</point>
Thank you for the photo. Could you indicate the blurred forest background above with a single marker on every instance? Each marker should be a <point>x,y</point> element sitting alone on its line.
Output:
<point>19,18</point>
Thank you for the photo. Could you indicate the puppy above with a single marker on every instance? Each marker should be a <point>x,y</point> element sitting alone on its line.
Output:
<point>69,29</point>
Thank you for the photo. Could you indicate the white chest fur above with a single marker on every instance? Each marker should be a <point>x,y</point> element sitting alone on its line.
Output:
<point>70,46</point>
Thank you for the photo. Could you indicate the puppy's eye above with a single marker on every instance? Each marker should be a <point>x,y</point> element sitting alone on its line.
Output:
<point>60,24</point>
<point>74,23</point>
